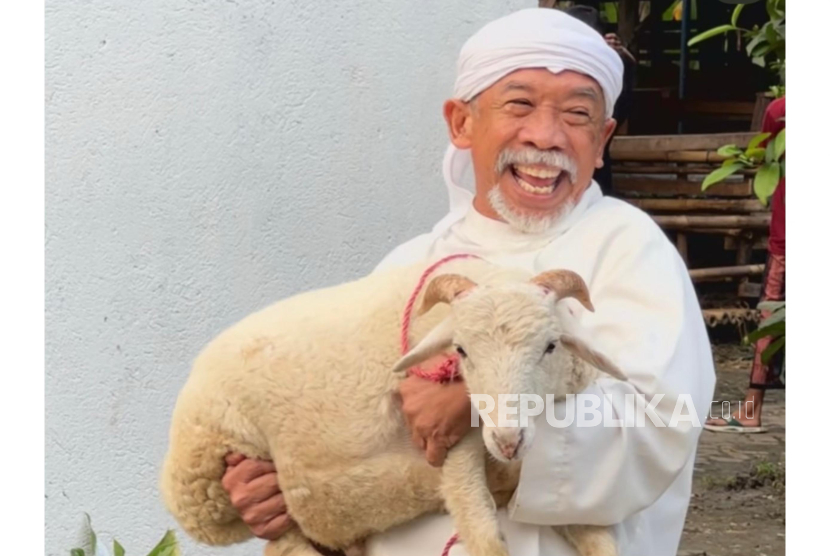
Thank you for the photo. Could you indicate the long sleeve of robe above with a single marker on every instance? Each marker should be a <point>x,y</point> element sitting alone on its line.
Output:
<point>647,321</point>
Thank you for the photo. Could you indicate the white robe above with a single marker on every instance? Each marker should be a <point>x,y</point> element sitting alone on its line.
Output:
<point>647,321</point>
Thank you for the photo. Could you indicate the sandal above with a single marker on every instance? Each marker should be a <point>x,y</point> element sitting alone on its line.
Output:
<point>734,426</point>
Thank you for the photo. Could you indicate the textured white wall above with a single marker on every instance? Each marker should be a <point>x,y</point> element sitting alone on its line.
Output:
<point>205,158</point>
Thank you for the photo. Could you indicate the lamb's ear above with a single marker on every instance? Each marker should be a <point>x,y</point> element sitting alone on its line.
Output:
<point>595,358</point>
<point>438,339</point>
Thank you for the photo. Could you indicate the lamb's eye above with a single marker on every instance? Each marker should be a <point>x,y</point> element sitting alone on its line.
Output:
<point>461,351</point>
<point>550,348</point>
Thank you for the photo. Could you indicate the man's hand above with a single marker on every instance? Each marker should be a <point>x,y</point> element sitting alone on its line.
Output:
<point>255,493</point>
<point>438,415</point>
<point>613,40</point>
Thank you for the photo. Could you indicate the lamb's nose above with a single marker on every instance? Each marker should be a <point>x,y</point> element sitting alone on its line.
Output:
<point>509,448</point>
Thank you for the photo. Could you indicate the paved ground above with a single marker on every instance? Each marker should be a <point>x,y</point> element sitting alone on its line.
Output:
<point>737,507</point>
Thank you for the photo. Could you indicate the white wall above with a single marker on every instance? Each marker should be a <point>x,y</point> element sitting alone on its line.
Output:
<point>204,158</point>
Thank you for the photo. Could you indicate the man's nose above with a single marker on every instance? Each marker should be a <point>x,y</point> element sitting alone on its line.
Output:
<point>544,130</point>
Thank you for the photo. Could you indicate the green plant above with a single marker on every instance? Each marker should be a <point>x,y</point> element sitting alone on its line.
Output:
<point>773,327</point>
<point>765,45</point>
<point>767,161</point>
<point>167,546</point>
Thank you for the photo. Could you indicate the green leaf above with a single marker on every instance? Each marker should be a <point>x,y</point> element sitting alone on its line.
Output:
<point>771,306</point>
<point>772,319</point>
<point>736,13</point>
<point>719,175</point>
<point>167,546</point>
<point>766,180</point>
<point>771,33</point>
<point>774,330</point>
<point>753,44</point>
<point>76,552</point>
<point>712,33</point>
<point>770,351</point>
<point>93,540</point>
<point>756,154</point>
<point>117,549</point>
<point>759,61</point>
<point>758,139</point>
<point>729,150</point>
<point>779,144</point>
<point>769,155</point>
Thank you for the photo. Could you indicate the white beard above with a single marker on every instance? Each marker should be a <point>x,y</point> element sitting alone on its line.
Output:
<point>526,223</point>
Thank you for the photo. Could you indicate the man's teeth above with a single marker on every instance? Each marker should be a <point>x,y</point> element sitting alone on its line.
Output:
<point>533,189</point>
<point>542,173</point>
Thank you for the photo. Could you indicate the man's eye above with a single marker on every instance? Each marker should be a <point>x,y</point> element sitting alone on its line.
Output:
<point>520,102</point>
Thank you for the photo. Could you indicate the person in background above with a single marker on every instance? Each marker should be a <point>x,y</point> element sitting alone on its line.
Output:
<point>747,419</point>
<point>588,13</point>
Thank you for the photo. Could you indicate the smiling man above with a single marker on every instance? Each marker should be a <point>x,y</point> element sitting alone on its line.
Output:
<point>530,116</point>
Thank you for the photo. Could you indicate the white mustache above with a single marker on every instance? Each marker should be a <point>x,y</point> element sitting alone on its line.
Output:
<point>530,155</point>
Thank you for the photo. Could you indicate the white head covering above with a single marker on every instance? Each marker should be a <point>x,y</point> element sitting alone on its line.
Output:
<point>530,38</point>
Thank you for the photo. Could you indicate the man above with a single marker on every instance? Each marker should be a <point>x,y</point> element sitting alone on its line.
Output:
<point>530,116</point>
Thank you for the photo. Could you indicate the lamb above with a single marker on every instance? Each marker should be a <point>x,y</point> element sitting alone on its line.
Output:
<point>307,382</point>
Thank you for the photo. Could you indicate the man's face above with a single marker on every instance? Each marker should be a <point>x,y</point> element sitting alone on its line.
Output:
<point>535,138</point>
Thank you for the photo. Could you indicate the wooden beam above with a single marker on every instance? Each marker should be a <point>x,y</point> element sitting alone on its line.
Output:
<point>666,156</point>
<point>685,222</point>
<point>716,273</point>
<point>657,168</point>
<point>673,188</point>
<point>694,205</point>
<point>665,143</point>
<point>714,317</point>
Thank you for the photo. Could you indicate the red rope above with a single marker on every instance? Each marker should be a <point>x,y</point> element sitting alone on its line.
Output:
<point>450,543</point>
<point>447,370</point>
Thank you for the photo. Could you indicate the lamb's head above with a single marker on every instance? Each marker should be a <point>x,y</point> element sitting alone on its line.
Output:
<point>511,345</point>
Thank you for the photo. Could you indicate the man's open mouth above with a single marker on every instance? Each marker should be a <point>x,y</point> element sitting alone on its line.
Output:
<point>538,180</point>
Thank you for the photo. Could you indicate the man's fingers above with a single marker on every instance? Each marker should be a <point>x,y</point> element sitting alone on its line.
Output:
<point>419,440</point>
<point>234,459</point>
<point>249,469</point>
<point>274,528</point>
<point>265,511</point>
<point>264,487</point>
<point>436,452</point>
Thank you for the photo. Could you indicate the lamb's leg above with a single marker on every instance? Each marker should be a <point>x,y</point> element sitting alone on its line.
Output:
<point>192,489</point>
<point>590,540</point>
<point>292,543</point>
<point>464,488</point>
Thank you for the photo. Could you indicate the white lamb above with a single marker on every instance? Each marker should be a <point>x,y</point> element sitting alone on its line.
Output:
<point>308,382</point>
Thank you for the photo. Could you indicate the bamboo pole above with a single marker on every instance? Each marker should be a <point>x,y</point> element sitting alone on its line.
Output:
<point>715,273</point>
<point>731,221</point>
<point>714,205</point>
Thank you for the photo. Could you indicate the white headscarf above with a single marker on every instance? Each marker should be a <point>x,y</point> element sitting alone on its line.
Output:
<point>530,38</point>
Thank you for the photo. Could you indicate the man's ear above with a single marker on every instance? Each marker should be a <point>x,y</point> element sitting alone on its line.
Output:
<point>458,115</point>
<point>607,130</point>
